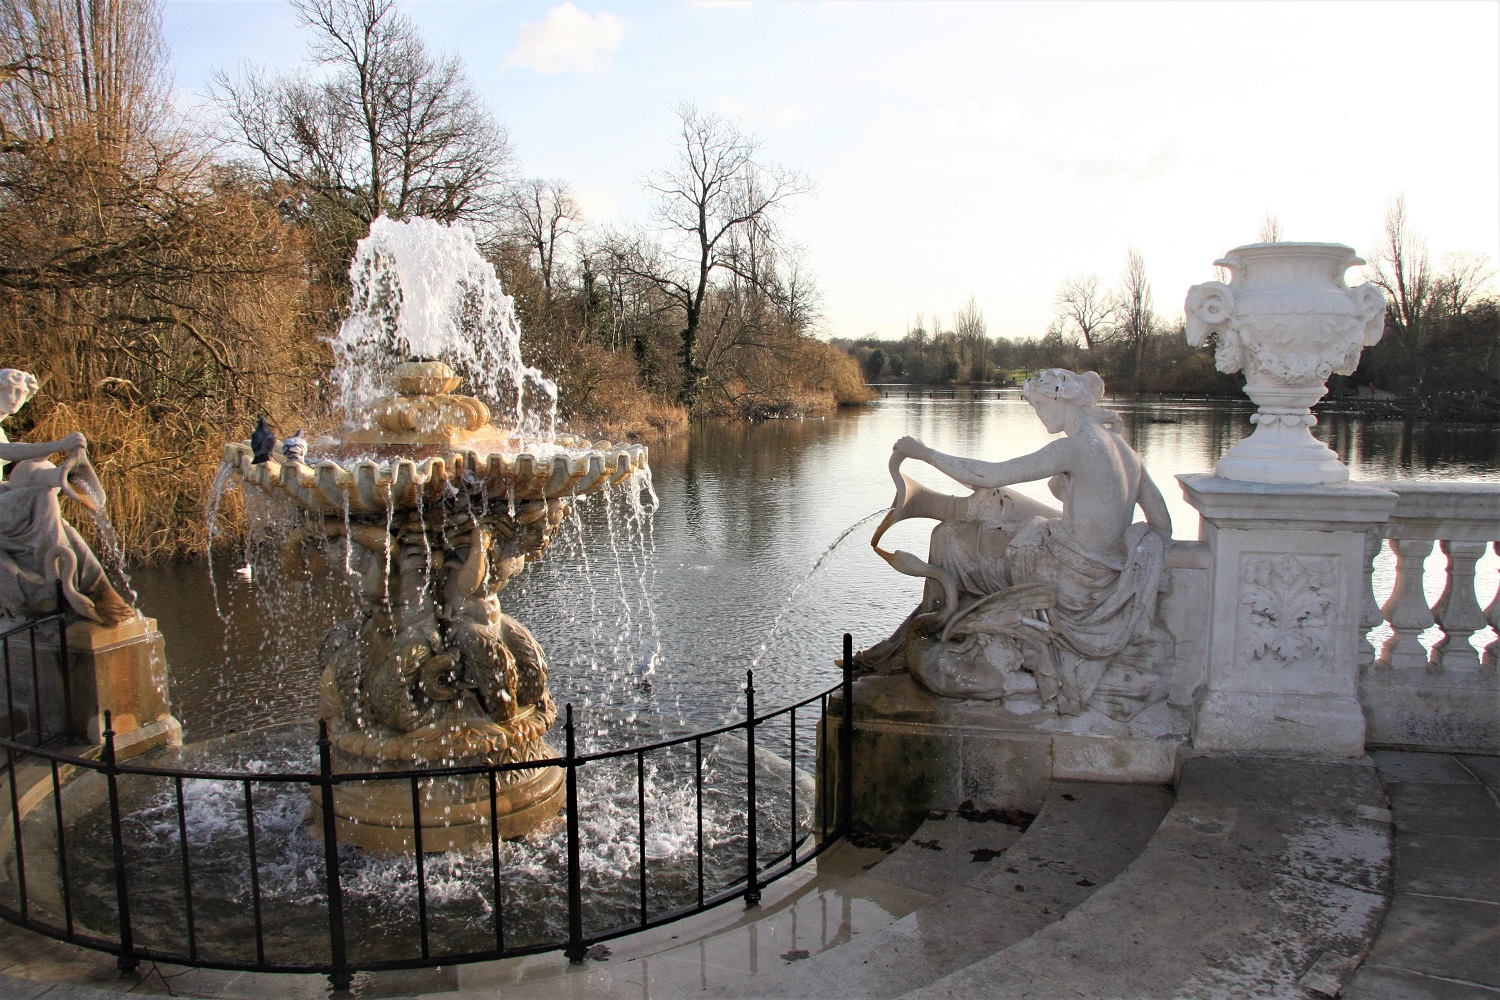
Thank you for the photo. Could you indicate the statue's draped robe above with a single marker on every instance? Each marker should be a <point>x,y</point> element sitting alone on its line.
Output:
<point>33,534</point>
<point>1103,649</point>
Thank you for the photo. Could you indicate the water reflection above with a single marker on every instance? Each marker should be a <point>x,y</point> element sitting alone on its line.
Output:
<point>665,616</point>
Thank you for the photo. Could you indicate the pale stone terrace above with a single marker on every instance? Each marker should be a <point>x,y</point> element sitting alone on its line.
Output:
<point>1266,877</point>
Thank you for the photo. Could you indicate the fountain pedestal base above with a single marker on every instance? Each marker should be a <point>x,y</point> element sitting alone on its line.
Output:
<point>455,812</point>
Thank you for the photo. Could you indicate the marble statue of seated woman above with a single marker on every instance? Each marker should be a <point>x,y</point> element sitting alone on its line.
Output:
<point>38,547</point>
<point>1043,608</point>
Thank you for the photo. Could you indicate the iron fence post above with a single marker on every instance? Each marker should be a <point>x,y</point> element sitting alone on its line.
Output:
<point>752,884</point>
<point>341,977</point>
<point>64,669</point>
<point>846,743</point>
<point>127,961</point>
<point>575,949</point>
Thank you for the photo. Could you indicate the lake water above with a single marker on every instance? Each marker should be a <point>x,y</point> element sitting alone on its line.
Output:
<point>665,616</point>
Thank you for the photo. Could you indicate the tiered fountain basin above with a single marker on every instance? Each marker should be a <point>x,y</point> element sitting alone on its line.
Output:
<point>439,510</point>
<point>369,486</point>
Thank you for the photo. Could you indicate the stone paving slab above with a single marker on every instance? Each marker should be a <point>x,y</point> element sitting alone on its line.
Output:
<point>1437,936</point>
<point>1244,890</point>
<point>1085,835</point>
<point>1421,768</point>
<point>1374,982</point>
<point>1450,810</point>
<point>1485,769</point>
<point>1459,867</point>
<point>1317,820</point>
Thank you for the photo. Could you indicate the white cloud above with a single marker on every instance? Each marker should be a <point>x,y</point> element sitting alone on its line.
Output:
<point>568,41</point>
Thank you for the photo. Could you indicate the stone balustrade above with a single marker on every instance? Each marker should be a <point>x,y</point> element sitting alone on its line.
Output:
<point>1448,697</point>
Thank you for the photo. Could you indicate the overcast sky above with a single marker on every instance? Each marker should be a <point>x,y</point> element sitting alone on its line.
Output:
<point>988,149</point>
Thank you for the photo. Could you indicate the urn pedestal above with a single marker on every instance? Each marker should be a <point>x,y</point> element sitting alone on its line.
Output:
<point>1288,321</point>
<point>1285,626</point>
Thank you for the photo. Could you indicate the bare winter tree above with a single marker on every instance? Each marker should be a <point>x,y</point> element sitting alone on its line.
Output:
<point>388,129</point>
<point>540,214</point>
<point>1462,277</point>
<point>1135,319</point>
<point>973,339</point>
<point>1270,229</point>
<point>156,298</point>
<point>1084,305</point>
<point>705,205</point>
<point>1400,267</point>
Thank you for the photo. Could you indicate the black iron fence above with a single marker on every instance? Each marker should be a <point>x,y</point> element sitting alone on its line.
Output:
<point>38,695</point>
<point>110,854</point>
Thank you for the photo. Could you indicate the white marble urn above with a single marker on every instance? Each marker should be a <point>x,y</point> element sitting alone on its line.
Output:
<point>1288,320</point>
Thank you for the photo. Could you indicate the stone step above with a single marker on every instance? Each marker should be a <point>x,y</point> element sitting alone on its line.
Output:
<point>991,885</point>
<point>1268,878</point>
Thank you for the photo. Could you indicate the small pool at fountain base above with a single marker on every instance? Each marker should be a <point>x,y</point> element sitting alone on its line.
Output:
<point>471,905</point>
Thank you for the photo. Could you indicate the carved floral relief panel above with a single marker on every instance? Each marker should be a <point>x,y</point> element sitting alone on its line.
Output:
<point>1287,609</point>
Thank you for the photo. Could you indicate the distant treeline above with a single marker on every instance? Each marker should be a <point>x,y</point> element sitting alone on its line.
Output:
<point>1438,357</point>
<point>169,281</point>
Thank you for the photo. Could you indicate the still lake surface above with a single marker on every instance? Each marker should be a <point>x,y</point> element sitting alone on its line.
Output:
<point>664,615</point>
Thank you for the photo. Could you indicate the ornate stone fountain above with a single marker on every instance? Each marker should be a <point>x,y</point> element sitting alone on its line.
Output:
<point>436,509</point>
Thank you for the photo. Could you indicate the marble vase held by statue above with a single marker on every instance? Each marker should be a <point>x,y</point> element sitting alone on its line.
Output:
<point>1288,321</point>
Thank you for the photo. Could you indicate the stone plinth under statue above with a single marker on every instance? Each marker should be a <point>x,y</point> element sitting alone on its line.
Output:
<point>436,511</point>
<point>120,669</point>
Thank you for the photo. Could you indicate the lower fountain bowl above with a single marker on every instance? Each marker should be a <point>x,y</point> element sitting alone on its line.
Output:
<point>455,812</point>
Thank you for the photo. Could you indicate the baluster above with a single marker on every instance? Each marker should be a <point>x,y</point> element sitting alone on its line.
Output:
<point>1370,616</point>
<point>1458,611</point>
<point>1492,615</point>
<point>1406,609</point>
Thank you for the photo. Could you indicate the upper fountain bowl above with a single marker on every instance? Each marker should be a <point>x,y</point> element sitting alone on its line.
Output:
<point>424,442</point>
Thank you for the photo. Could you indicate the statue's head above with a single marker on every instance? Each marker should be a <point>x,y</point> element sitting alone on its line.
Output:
<point>16,387</point>
<point>1053,388</point>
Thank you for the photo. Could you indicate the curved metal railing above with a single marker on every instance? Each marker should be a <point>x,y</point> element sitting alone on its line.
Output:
<point>39,887</point>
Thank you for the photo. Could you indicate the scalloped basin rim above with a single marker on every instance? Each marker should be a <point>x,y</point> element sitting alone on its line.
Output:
<point>368,485</point>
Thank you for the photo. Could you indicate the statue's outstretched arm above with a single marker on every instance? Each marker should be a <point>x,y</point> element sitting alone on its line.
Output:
<point>1043,463</point>
<point>1153,505</point>
<point>22,451</point>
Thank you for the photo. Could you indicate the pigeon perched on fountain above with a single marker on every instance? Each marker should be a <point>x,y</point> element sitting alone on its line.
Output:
<point>262,442</point>
<point>295,447</point>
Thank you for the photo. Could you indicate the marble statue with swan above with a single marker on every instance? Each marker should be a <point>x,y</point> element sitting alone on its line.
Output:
<point>1037,607</point>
